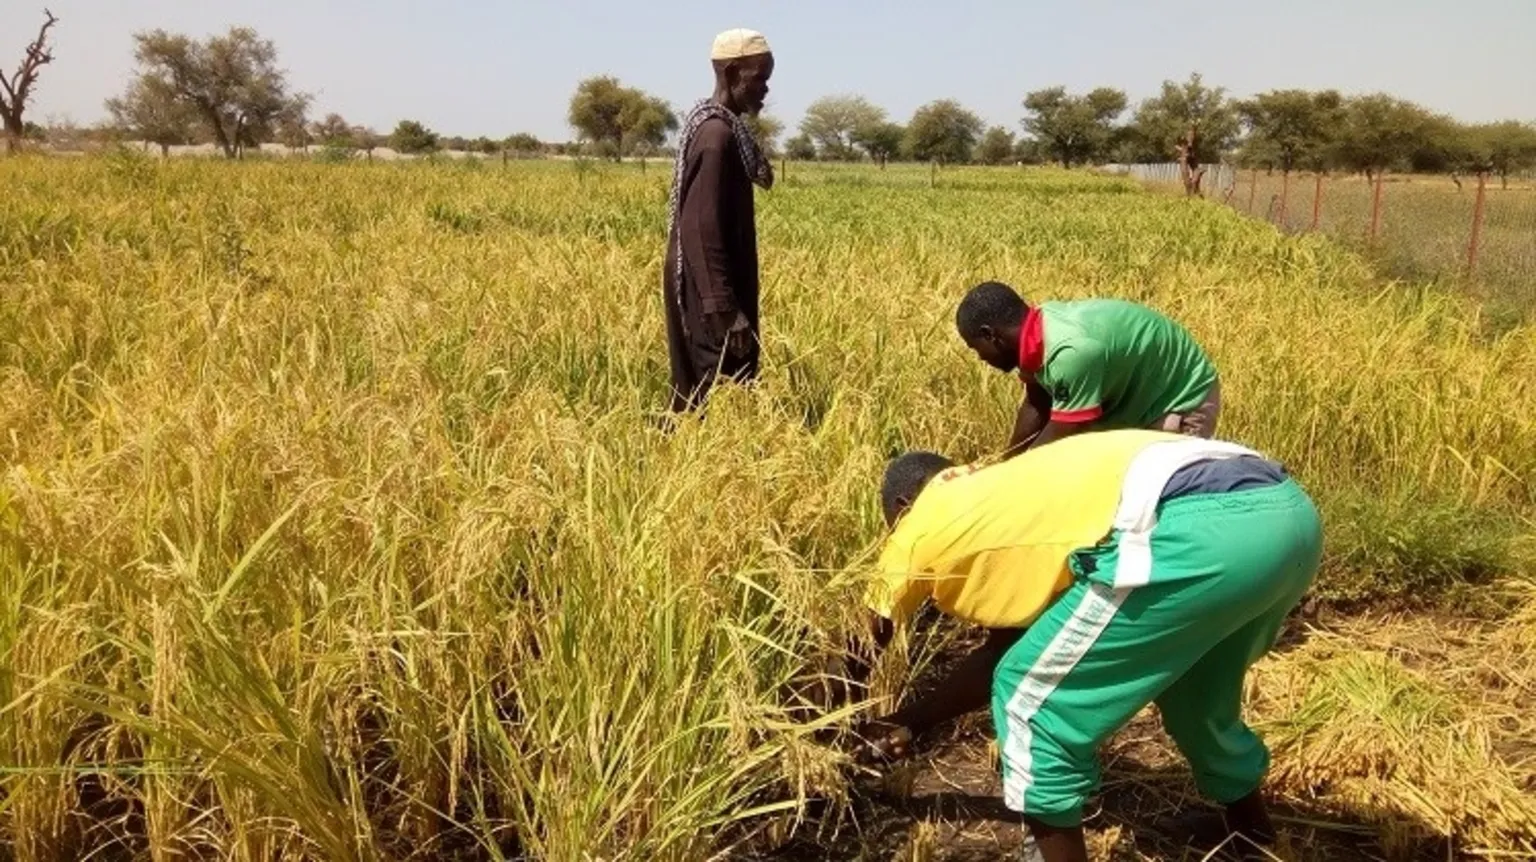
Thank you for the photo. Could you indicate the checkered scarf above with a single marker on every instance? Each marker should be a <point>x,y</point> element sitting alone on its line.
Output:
<point>759,168</point>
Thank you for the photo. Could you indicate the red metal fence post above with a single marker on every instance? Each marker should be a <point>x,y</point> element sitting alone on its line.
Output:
<point>1376,208</point>
<point>1285,195</point>
<point>1317,202</point>
<point>1477,224</point>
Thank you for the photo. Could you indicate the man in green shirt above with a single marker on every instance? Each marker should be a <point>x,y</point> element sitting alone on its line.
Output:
<point>1091,365</point>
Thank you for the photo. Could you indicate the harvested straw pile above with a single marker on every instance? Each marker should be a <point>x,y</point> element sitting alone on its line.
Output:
<point>1422,730</point>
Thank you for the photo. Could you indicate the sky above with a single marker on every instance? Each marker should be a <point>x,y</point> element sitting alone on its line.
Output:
<point>478,67</point>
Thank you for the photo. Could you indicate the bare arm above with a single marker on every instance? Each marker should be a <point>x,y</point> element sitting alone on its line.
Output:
<point>1033,413</point>
<point>966,688</point>
<point>1059,431</point>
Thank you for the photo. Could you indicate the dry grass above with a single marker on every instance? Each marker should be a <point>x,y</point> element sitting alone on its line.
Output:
<point>1424,231</point>
<point>1424,728</point>
<point>332,522</point>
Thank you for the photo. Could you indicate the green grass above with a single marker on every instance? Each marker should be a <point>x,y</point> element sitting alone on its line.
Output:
<point>332,523</point>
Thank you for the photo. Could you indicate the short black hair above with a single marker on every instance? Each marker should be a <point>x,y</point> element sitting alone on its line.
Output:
<point>905,478</point>
<point>992,304</point>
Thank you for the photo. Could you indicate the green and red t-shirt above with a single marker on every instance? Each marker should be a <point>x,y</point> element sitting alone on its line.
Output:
<point>1117,363</point>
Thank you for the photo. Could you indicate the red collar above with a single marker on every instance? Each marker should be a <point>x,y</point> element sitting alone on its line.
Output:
<point>1032,342</point>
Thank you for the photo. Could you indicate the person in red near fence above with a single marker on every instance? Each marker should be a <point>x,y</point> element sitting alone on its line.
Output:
<point>1091,365</point>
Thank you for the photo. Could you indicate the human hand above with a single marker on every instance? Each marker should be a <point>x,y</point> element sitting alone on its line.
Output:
<point>734,331</point>
<point>883,741</point>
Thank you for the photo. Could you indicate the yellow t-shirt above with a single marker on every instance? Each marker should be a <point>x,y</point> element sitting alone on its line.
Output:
<point>990,545</point>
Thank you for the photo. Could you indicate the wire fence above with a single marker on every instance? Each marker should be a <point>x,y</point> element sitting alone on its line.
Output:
<point>1216,183</point>
<point>1477,229</point>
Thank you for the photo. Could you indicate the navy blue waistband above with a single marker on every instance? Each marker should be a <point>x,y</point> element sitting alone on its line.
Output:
<point>1224,475</point>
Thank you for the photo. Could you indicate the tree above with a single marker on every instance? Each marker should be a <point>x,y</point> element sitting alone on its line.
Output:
<point>60,133</point>
<point>1380,132</point>
<point>1164,124</point>
<point>523,143</point>
<point>800,148</point>
<point>996,147</point>
<point>617,118</point>
<point>1291,128</point>
<point>292,127</point>
<point>595,110</point>
<point>1073,129</point>
<point>334,132</point>
<point>1504,148</point>
<point>151,111</point>
<point>1126,146</point>
<point>1030,152</point>
<point>231,82</point>
<point>944,132</point>
<point>16,91</point>
<point>413,138</point>
<point>831,122</point>
<point>766,129</point>
<point>880,141</point>
<point>366,139</point>
<point>644,123</point>
<point>1447,146</point>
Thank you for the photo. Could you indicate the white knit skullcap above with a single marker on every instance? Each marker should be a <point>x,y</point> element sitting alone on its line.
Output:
<point>739,42</point>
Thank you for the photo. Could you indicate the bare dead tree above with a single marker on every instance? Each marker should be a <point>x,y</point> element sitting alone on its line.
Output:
<point>1190,169</point>
<point>16,90</point>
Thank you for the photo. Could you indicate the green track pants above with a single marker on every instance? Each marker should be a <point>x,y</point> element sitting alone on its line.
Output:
<point>1225,571</point>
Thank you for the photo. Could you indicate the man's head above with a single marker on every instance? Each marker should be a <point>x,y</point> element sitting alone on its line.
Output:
<point>743,64</point>
<point>905,478</point>
<point>991,319</point>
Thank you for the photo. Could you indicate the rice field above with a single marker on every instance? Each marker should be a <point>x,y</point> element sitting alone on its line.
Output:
<point>334,523</point>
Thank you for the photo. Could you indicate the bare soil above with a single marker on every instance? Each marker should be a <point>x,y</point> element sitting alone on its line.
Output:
<point>946,803</point>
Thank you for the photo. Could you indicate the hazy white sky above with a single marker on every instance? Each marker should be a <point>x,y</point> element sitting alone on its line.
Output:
<point>476,67</point>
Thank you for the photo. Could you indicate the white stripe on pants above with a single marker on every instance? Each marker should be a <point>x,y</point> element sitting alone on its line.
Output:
<point>1078,635</point>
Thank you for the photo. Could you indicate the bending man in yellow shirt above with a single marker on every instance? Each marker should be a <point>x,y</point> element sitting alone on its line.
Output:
<point>1114,570</point>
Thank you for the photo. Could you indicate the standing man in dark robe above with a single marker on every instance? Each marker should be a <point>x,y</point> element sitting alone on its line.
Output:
<point>711,278</point>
